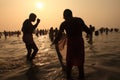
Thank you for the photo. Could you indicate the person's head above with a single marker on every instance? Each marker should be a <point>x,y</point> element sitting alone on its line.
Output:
<point>67,14</point>
<point>32,17</point>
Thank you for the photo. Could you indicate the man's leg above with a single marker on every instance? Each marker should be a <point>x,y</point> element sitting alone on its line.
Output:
<point>68,71</point>
<point>81,72</point>
<point>29,50</point>
<point>34,47</point>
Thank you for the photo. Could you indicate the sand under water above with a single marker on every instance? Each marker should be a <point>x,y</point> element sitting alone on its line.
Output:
<point>102,59</point>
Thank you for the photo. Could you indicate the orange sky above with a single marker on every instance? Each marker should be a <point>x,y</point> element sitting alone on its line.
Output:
<point>100,13</point>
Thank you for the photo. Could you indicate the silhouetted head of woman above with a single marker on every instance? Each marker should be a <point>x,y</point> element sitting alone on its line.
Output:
<point>67,14</point>
<point>32,17</point>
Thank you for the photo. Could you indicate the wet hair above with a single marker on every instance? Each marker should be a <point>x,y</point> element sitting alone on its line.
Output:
<point>32,15</point>
<point>67,13</point>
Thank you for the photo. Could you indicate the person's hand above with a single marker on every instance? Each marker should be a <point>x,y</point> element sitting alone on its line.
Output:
<point>38,20</point>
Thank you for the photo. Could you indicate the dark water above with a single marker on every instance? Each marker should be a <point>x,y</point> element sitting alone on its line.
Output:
<point>102,60</point>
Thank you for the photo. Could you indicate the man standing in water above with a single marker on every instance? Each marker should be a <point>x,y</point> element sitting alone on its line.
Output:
<point>27,29</point>
<point>75,44</point>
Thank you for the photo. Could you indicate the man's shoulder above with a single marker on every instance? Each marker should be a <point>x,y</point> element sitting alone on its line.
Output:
<point>26,21</point>
<point>77,18</point>
<point>64,22</point>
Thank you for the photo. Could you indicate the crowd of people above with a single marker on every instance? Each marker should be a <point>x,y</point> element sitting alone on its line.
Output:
<point>106,30</point>
<point>100,31</point>
<point>53,32</point>
<point>7,34</point>
<point>41,32</point>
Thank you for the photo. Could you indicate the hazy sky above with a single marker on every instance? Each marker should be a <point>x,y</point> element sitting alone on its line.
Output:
<point>100,13</point>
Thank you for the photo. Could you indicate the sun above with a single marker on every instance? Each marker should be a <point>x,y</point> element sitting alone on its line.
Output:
<point>39,5</point>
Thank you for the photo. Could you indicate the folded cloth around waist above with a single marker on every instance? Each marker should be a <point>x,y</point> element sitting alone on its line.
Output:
<point>75,51</point>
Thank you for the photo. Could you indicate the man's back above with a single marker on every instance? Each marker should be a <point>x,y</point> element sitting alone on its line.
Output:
<point>73,27</point>
<point>27,27</point>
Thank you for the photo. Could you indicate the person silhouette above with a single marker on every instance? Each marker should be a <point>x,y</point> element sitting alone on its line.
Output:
<point>73,26</point>
<point>27,29</point>
<point>92,29</point>
<point>51,34</point>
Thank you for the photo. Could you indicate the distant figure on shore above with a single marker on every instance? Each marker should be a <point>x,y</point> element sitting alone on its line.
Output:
<point>27,30</point>
<point>0,34</point>
<point>75,44</point>
<point>90,36</point>
<point>96,33</point>
<point>51,34</point>
<point>56,32</point>
<point>5,34</point>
